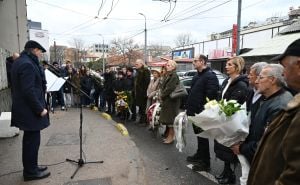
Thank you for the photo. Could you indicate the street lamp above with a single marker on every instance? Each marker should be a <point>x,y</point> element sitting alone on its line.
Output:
<point>145,48</point>
<point>103,63</point>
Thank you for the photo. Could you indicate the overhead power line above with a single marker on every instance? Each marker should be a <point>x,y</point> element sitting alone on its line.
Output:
<point>66,9</point>
<point>191,8</point>
<point>100,7</point>
<point>188,17</point>
<point>170,11</point>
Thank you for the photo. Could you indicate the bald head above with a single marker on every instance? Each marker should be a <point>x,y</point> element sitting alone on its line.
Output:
<point>15,55</point>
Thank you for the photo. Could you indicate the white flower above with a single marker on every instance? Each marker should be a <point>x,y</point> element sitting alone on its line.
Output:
<point>211,104</point>
<point>232,101</point>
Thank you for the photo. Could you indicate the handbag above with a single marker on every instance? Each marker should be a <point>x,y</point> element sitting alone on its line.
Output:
<point>179,91</point>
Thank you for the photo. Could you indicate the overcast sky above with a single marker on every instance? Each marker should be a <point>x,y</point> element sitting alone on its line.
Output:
<point>68,19</point>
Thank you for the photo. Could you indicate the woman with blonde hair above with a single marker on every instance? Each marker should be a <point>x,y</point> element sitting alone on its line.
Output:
<point>235,87</point>
<point>169,106</point>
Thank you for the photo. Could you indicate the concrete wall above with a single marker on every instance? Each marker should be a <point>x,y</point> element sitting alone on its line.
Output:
<point>13,36</point>
<point>13,23</point>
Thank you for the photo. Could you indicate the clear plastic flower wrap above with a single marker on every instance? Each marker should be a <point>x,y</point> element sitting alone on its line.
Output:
<point>180,126</point>
<point>228,123</point>
<point>225,121</point>
<point>153,113</point>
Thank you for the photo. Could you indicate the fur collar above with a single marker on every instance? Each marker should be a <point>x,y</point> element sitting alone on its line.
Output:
<point>294,103</point>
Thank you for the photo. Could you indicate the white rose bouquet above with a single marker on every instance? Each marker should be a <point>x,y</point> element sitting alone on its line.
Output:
<point>225,121</point>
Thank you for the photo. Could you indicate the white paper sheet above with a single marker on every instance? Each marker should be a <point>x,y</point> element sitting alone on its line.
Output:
<point>54,83</point>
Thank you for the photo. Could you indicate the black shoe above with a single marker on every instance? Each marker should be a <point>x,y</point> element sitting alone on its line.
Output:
<point>218,177</point>
<point>38,175</point>
<point>228,178</point>
<point>42,168</point>
<point>194,159</point>
<point>201,167</point>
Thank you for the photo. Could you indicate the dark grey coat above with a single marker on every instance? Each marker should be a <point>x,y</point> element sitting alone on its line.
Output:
<point>269,108</point>
<point>28,94</point>
<point>141,83</point>
<point>169,106</point>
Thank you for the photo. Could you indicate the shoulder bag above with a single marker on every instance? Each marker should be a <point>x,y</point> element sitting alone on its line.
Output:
<point>179,91</point>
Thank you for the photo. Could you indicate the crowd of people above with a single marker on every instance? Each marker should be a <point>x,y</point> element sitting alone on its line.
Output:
<point>269,90</point>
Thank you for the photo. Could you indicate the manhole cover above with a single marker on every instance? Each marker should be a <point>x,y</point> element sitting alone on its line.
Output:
<point>102,181</point>
<point>65,139</point>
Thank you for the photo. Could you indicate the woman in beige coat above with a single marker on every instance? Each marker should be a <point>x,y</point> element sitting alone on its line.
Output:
<point>153,87</point>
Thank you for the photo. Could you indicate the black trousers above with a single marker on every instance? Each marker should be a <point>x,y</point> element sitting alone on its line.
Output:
<point>30,150</point>
<point>203,149</point>
<point>142,112</point>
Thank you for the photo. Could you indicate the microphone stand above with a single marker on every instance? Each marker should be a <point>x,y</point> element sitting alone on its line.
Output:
<point>80,162</point>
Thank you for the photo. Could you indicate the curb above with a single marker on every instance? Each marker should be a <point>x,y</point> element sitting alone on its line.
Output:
<point>120,126</point>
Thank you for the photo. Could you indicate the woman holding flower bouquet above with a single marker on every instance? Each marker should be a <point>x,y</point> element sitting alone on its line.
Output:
<point>169,106</point>
<point>233,88</point>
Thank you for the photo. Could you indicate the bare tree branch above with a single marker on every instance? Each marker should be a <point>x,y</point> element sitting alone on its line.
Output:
<point>183,39</point>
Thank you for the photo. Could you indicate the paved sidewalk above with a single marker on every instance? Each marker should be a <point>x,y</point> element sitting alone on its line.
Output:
<point>101,141</point>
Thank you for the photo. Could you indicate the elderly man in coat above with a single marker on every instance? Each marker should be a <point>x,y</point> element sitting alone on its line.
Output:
<point>277,159</point>
<point>141,83</point>
<point>29,111</point>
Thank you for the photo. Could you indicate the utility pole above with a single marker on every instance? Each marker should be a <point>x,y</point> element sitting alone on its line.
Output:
<point>238,26</point>
<point>103,63</point>
<point>145,48</point>
<point>55,59</point>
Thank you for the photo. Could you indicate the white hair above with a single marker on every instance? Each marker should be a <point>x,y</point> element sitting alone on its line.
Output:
<point>257,67</point>
<point>276,70</point>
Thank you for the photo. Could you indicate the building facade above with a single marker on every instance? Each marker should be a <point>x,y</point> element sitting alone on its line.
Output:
<point>98,50</point>
<point>41,36</point>
<point>218,46</point>
<point>13,36</point>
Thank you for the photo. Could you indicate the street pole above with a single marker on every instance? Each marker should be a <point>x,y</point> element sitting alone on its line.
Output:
<point>238,26</point>
<point>103,63</point>
<point>145,48</point>
<point>55,59</point>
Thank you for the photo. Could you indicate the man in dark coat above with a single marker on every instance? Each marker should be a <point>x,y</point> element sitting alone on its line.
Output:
<point>58,95</point>
<point>29,111</point>
<point>141,83</point>
<point>204,85</point>
<point>110,97</point>
<point>277,158</point>
<point>129,81</point>
<point>9,61</point>
<point>248,147</point>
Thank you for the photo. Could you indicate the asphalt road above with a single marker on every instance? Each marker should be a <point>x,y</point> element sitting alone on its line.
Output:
<point>164,164</point>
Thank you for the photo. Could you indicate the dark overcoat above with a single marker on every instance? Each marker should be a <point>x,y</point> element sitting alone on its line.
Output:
<point>169,106</point>
<point>277,160</point>
<point>204,85</point>
<point>141,83</point>
<point>28,93</point>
